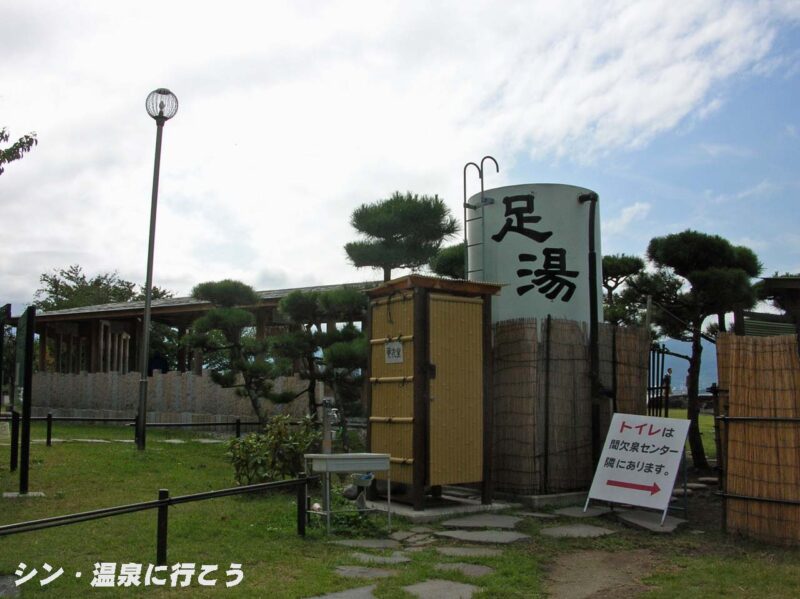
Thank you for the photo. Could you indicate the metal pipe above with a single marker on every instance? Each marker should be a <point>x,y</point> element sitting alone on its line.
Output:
<point>54,521</point>
<point>27,388</point>
<point>496,166</point>
<point>546,467</point>
<point>761,499</point>
<point>144,349</point>
<point>594,352</point>
<point>163,523</point>
<point>465,206</point>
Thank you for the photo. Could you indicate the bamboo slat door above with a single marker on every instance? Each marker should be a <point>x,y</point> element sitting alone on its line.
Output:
<point>456,390</point>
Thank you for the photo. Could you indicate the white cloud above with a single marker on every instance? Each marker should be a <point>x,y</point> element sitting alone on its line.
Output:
<point>716,150</point>
<point>616,225</point>
<point>759,192</point>
<point>292,114</point>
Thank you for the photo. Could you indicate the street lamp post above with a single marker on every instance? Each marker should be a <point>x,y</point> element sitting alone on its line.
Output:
<point>162,105</point>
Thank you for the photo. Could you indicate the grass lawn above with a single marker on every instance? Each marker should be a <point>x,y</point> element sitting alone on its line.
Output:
<point>259,532</point>
<point>706,422</point>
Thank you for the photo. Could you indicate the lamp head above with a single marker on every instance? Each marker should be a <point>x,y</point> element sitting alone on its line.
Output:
<point>161,104</point>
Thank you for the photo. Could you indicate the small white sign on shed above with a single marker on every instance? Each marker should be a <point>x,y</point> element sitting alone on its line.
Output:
<point>640,460</point>
<point>394,352</point>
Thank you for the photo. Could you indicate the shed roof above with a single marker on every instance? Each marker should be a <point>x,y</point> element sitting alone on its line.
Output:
<point>174,308</point>
<point>460,286</point>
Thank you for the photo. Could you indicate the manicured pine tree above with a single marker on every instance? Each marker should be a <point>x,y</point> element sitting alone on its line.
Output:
<point>402,231</point>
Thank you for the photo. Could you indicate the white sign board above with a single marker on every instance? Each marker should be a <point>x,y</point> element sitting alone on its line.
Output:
<point>394,352</point>
<point>534,239</point>
<point>640,460</point>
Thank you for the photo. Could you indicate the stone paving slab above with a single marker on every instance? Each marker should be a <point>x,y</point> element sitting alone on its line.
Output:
<point>441,589</point>
<point>539,515</point>
<point>173,441</point>
<point>576,531</point>
<point>450,508</point>
<point>483,521</point>
<point>91,440</point>
<point>708,480</point>
<point>8,588</point>
<point>419,540</point>
<point>473,570</point>
<point>593,511</point>
<point>208,441</point>
<point>650,521</point>
<point>357,593</point>
<point>502,537</point>
<point>369,543</point>
<point>364,572</point>
<point>396,558</point>
<point>401,535</point>
<point>421,529</point>
<point>678,492</point>
<point>469,551</point>
<point>696,486</point>
<point>15,495</point>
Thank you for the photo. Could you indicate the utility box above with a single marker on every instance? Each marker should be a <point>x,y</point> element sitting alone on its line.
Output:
<point>429,391</point>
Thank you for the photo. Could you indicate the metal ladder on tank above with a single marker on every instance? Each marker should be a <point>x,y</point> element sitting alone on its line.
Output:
<point>467,206</point>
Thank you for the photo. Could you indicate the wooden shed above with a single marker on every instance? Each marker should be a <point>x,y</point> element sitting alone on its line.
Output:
<point>429,392</point>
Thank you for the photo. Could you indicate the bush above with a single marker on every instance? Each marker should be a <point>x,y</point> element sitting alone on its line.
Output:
<point>275,454</point>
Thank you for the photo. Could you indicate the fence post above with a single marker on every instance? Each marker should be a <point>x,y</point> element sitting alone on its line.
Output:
<point>302,505</point>
<point>238,427</point>
<point>49,429</point>
<point>161,533</point>
<point>14,441</point>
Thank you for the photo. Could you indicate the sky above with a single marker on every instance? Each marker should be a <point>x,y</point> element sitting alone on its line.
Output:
<point>679,115</point>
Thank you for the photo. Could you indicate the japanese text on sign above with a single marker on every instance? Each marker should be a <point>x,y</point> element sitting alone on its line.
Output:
<point>640,460</point>
<point>553,280</point>
<point>394,352</point>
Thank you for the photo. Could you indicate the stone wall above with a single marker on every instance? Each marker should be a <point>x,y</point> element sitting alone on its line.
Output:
<point>171,397</point>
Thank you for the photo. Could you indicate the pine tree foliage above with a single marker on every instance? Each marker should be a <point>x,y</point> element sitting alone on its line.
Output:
<point>699,275</point>
<point>237,359</point>
<point>449,262</point>
<point>402,231</point>
<point>335,355</point>
<point>618,268</point>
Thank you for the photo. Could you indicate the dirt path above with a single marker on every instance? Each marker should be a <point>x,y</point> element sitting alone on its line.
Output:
<point>599,574</point>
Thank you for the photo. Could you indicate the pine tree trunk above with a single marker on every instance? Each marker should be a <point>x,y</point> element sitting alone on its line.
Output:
<point>695,440</point>
<point>387,273</point>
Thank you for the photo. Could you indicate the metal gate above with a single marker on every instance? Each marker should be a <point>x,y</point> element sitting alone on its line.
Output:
<point>657,391</point>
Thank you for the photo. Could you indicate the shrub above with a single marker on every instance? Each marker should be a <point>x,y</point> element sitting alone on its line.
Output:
<point>274,454</point>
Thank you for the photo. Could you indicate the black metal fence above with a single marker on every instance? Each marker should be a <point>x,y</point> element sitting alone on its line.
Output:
<point>162,504</point>
<point>50,419</point>
<point>657,392</point>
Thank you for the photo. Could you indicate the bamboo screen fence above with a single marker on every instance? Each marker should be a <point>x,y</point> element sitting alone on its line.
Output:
<point>762,377</point>
<point>542,404</point>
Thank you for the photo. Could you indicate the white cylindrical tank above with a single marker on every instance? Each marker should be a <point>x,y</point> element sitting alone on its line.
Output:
<point>534,239</point>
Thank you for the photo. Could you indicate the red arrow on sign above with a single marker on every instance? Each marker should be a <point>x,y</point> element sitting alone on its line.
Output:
<point>654,488</point>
